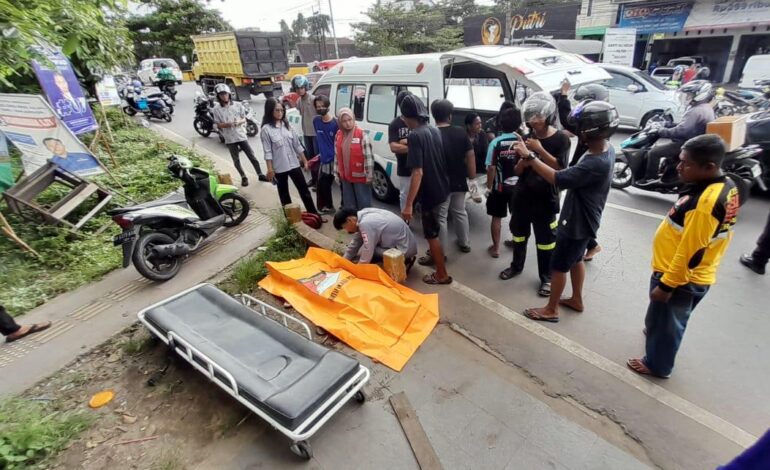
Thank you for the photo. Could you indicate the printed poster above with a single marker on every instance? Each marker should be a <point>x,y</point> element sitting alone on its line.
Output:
<point>32,126</point>
<point>6,175</point>
<point>107,91</point>
<point>63,90</point>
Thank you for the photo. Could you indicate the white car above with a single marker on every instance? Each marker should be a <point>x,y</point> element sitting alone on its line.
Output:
<point>638,97</point>
<point>148,69</point>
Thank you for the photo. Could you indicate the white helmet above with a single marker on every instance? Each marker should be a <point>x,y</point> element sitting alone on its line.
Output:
<point>696,92</point>
<point>222,88</point>
<point>540,104</point>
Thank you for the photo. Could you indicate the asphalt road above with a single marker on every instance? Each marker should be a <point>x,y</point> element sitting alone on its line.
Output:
<point>722,365</point>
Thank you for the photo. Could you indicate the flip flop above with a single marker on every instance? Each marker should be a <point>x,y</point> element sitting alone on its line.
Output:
<point>492,253</point>
<point>544,290</point>
<point>35,328</point>
<point>431,279</point>
<point>532,315</point>
<point>647,370</point>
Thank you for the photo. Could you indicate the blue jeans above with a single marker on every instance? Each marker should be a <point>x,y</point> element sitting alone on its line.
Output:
<point>666,322</point>
<point>356,196</point>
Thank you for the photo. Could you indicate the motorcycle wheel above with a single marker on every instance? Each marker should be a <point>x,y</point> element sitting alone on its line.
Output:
<point>621,175</point>
<point>236,209</point>
<point>170,109</point>
<point>158,270</point>
<point>221,139</point>
<point>202,127</point>
<point>251,128</point>
<point>129,110</point>
<point>166,116</point>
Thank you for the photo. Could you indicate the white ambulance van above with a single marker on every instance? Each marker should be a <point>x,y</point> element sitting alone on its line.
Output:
<point>476,79</point>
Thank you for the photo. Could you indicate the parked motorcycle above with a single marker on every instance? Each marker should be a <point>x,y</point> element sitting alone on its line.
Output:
<point>157,236</point>
<point>204,121</point>
<point>152,107</point>
<point>740,165</point>
<point>168,87</point>
<point>758,133</point>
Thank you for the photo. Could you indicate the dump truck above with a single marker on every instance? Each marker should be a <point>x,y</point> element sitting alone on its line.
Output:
<point>247,61</point>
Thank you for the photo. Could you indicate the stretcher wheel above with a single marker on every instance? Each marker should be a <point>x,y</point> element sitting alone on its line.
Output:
<point>359,396</point>
<point>302,449</point>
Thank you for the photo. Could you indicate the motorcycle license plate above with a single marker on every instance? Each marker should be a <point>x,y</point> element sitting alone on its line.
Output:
<point>756,170</point>
<point>123,238</point>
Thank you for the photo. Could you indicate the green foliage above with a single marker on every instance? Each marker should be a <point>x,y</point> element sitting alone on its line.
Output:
<point>166,29</point>
<point>91,33</point>
<point>393,30</point>
<point>31,431</point>
<point>286,244</point>
<point>67,260</point>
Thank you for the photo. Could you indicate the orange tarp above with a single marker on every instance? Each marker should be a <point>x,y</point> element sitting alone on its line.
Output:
<point>357,303</point>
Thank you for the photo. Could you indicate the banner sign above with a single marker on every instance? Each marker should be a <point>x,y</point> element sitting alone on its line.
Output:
<point>649,18</point>
<point>545,22</point>
<point>107,91</point>
<point>724,13</point>
<point>63,91</point>
<point>487,30</point>
<point>33,127</point>
<point>619,45</point>
<point>6,175</point>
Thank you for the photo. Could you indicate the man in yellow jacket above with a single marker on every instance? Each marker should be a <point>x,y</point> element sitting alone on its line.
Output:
<point>687,249</point>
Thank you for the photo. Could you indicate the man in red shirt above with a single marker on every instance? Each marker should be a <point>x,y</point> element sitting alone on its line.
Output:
<point>689,74</point>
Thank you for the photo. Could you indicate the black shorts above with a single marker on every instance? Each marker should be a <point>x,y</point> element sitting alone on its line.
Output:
<point>568,252</point>
<point>499,203</point>
<point>430,222</point>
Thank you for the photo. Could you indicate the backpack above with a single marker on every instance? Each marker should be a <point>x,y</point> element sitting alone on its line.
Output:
<point>311,220</point>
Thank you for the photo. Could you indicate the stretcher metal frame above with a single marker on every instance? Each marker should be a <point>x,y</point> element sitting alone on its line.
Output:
<point>306,429</point>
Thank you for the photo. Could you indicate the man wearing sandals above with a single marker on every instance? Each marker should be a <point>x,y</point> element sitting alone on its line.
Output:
<point>588,184</point>
<point>429,178</point>
<point>686,251</point>
<point>13,331</point>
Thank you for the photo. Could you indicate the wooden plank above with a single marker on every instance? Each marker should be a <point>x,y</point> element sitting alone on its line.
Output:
<point>85,193</point>
<point>93,211</point>
<point>415,434</point>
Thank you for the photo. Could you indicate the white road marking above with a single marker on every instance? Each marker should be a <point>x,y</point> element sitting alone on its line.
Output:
<point>658,393</point>
<point>651,215</point>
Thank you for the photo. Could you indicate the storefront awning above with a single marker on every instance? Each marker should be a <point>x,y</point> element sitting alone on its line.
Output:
<point>727,14</point>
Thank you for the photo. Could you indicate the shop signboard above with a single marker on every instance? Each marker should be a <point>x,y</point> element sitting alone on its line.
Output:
<point>619,45</point>
<point>485,29</point>
<point>34,128</point>
<point>655,17</point>
<point>728,13</point>
<point>545,22</point>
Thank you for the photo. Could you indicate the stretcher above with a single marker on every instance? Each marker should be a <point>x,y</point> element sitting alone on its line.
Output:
<point>291,382</point>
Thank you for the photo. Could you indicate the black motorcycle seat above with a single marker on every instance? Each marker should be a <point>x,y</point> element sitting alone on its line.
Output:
<point>207,224</point>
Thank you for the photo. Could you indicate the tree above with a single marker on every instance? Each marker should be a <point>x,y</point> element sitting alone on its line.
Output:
<point>393,30</point>
<point>90,33</point>
<point>285,29</point>
<point>165,31</point>
<point>299,27</point>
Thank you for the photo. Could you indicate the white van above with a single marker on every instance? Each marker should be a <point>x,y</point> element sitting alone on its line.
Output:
<point>756,68</point>
<point>477,79</point>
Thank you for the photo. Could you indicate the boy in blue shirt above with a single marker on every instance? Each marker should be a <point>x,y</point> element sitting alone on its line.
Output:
<point>501,178</point>
<point>326,128</point>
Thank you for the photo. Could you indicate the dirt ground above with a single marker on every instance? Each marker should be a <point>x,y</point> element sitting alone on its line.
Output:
<point>169,426</point>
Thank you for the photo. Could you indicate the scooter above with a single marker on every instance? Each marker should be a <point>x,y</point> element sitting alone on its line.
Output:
<point>134,102</point>
<point>168,87</point>
<point>740,165</point>
<point>157,236</point>
<point>204,121</point>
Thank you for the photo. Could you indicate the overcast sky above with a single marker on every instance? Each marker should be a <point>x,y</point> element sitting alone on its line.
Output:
<point>252,13</point>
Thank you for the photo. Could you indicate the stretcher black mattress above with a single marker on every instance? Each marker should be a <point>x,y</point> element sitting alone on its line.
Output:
<point>277,370</point>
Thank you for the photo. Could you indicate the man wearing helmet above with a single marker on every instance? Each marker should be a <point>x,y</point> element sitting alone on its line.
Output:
<point>230,118</point>
<point>306,108</point>
<point>588,184</point>
<point>696,95</point>
<point>535,201</point>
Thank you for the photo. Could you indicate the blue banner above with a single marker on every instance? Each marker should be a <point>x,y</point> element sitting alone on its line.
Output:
<point>63,91</point>
<point>650,18</point>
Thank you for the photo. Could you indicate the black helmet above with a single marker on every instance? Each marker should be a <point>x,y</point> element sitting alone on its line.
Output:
<point>696,92</point>
<point>592,91</point>
<point>594,119</point>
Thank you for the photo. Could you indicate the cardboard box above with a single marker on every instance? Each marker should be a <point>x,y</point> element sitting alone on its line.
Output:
<point>393,264</point>
<point>732,129</point>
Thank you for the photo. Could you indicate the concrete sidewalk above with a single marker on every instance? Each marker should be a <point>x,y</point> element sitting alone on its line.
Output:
<point>473,409</point>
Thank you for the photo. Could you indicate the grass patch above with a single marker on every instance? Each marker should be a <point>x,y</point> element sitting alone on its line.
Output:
<point>32,431</point>
<point>168,459</point>
<point>132,346</point>
<point>69,261</point>
<point>284,245</point>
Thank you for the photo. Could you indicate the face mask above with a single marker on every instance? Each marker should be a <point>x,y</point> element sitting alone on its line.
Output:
<point>322,111</point>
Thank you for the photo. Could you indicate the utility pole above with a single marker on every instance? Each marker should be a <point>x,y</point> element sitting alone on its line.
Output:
<point>334,32</point>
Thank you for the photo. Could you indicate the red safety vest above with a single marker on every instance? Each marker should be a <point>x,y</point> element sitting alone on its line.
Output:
<point>356,169</point>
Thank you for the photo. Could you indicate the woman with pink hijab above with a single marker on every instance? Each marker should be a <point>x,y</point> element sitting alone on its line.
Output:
<point>354,162</point>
